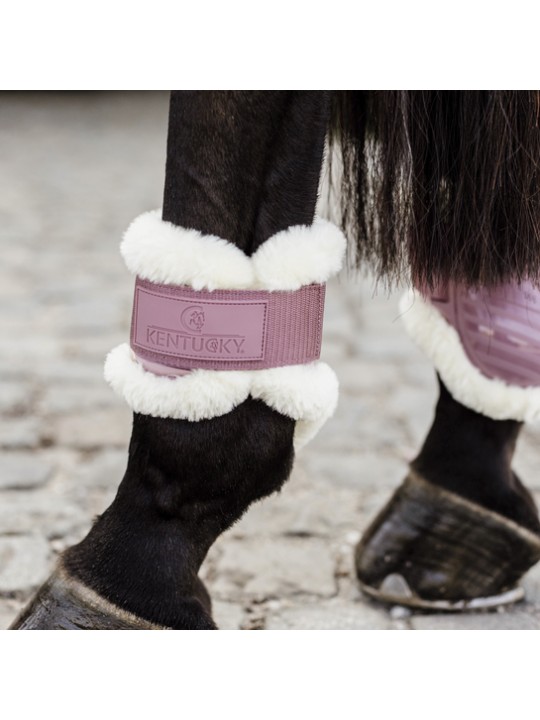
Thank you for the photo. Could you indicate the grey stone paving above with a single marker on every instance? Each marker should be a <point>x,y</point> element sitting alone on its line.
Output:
<point>75,171</point>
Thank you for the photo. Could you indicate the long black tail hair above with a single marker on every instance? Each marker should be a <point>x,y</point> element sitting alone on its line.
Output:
<point>441,185</point>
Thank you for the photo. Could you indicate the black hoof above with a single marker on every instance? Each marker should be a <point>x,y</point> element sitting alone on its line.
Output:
<point>64,603</point>
<point>429,548</point>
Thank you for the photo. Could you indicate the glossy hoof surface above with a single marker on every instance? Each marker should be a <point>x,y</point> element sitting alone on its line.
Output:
<point>431,549</point>
<point>64,604</point>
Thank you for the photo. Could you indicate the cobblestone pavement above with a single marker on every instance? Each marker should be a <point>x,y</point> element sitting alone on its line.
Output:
<point>75,170</point>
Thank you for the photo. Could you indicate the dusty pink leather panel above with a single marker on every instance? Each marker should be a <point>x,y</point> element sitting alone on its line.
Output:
<point>499,328</point>
<point>180,328</point>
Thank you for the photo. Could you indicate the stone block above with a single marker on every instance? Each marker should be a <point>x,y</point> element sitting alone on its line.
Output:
<point>22,471</point>
<point>25,562</point>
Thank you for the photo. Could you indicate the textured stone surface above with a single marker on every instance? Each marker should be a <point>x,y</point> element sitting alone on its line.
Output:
<point>15,397</point>
<point>275,567</point>
<point>9,609</point>
<point>76,169</point>
<point>17,432</point>
<point>228,616</point>
<point>508,620</point>
<point>43,511</point>
<point>79,398</point>
<point>20,471</point>
<point>329,615</point>
<point>24,562</point>
<point>92,429</point>
<point>103,470</point>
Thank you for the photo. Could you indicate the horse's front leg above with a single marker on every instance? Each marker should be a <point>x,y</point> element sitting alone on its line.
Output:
<point>241,166</point>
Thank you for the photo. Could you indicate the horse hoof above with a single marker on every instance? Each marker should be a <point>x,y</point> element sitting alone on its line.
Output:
<point>429,548</point>
<point>63,603</point>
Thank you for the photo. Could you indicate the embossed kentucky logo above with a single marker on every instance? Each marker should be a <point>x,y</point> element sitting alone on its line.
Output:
<point>191,339</point>
<point>214,329</point>
<point>192,318</point>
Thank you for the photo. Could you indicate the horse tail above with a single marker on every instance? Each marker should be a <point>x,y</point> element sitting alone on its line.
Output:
<point>440,185</point>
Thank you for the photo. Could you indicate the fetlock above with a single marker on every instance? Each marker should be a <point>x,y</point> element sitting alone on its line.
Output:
<point>184,485</point>
<point>471,455</point>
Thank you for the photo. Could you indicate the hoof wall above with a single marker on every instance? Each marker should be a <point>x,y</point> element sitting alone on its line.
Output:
<point>63,603</point>
<point>434,550</point>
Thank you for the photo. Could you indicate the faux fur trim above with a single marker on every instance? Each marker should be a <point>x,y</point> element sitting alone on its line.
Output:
<point>306,393</point>
<point>199,395</point>
<point>441,343</point>
<point>299,255</point>
<point>161,252</point>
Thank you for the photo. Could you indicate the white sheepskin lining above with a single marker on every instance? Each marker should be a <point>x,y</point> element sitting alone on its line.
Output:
<point>161,252</point>
<point>441,343</point>
<point>306,393</point>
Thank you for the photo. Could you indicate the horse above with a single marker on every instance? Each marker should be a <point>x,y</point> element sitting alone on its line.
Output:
<point>435,188</point>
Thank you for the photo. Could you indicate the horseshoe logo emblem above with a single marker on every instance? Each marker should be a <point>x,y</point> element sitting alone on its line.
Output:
<point>192,318</point>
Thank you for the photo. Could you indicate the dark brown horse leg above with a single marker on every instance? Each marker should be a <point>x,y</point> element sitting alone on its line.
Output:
<point>471,455</point>
<point>462,529</point>
<point>243,166</point>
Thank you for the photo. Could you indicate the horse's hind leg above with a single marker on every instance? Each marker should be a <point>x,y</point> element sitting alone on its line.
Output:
<point>462,529</point>
<point>470,454</point>
<point>240,166</point>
